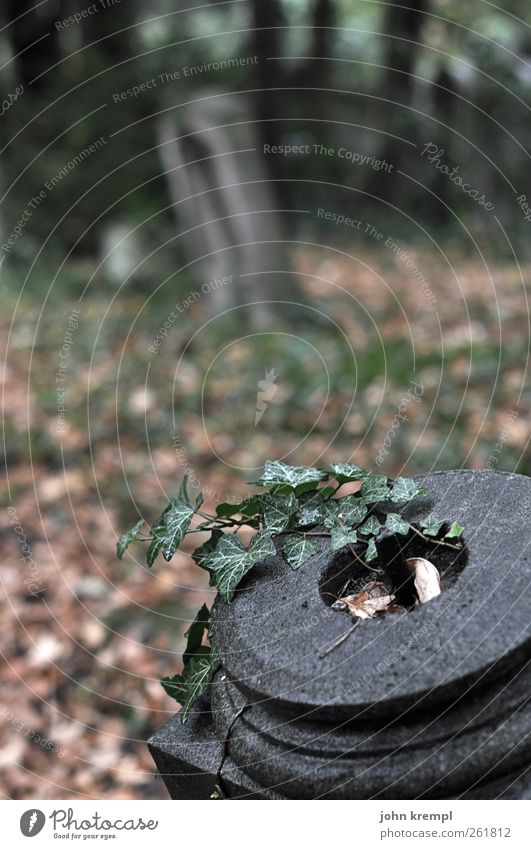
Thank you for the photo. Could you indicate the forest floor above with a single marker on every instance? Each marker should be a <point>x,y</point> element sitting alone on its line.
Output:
<point>81,690</point>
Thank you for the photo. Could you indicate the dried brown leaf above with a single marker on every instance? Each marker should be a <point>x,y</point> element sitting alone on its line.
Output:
<point>427,579</point>
<point>374,598</point>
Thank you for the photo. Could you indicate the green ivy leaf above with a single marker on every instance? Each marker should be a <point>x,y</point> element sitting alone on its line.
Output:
<point>342,536</point>
<point>396,523</point>
<point>199,674</point>
<point>308,516</point>
<point>170,528</point>
<point>370,527</point>
<point>353,509</point>
<point>158,532</point>
<point>312,510</point>
<point>431,525</point>
<point>374,488</point>
<point>371,552</point>
<point>176,522</point>
<point>227,564</point>
<point>261,547</point>
<point>297,550</point>
<point>344,472</point>
<point>404,489</point>
<point>276,472</point>
<point>207,548</point>
<point>195,634</point>
<point>192,683</point>
<point>455,531</point>
<point>332,511</point>
<point>248,508</point>
<point>227,561</point>
<point>126,539</point>
<point>176,687</point>
<point>277,510</point>
<point>304,488</point>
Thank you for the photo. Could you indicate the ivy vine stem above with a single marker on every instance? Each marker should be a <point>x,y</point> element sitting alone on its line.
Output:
<point>436,541</point>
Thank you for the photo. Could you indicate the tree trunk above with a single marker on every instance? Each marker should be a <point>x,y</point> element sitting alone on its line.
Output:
<point>402,28</point>
<point>34,38</point>
<point>268,80</point>
<point>224,204</point>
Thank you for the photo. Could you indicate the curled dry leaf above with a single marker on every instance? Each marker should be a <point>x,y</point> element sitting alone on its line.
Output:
<point>374,598</point>
<point>427,580</point>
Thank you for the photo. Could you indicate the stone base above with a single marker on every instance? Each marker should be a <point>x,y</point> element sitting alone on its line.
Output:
<point>432,704</point>
<point>190,760</point>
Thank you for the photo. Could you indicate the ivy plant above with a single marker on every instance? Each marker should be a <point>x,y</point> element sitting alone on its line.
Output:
<point>294,506</point>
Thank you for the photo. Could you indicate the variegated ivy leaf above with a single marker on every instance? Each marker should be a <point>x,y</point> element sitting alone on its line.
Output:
<point>126,539</point>
<point>332,512</point>
<point>396,523</point>
<point>352,509</point>
<point>170,528</point>
<point>277,510</point>
<point>261,547</point>
<point>276,472</point>
<point>374,489</point>
<point>404,489</point>
<point>192,683</point>
<point>227,564</point>
<point>344,472</point>
<point>201,553</point>
<point>158,532</point>
<point>176,687</point>
<point>370,553</point>
<point>297,550</point>
<point>195,633</point>
<point>342,536</point>
<point>431,525</point>
<point>229,561</point>
<point>176,522</point>
<point>313,509</point>
<point>309,515</point>
<point>370,527</point>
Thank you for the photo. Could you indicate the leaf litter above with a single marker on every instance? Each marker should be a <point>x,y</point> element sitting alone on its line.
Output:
<point>375,598</point>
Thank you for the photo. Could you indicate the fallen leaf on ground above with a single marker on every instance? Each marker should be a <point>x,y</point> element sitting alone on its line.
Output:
<point>427,580</point>
<point>374,598</point>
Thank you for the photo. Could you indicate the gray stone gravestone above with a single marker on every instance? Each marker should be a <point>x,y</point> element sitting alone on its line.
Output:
<point>433,703</point>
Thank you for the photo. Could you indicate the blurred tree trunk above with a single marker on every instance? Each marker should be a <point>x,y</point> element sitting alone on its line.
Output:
<point>402,29</point>
<point>111,32</point>
<point>445,110</point>
<point>269,78</point>
<point>317,71</point>
<point>225,206</point>
<point>34,37</point>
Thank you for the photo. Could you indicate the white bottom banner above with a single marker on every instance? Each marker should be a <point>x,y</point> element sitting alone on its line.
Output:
<point>306,823</point>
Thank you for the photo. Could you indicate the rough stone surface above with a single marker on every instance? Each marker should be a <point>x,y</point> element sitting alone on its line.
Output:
<point>431,704</point>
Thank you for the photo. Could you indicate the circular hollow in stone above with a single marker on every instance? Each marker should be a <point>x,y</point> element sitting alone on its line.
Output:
<point>346,575</point>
